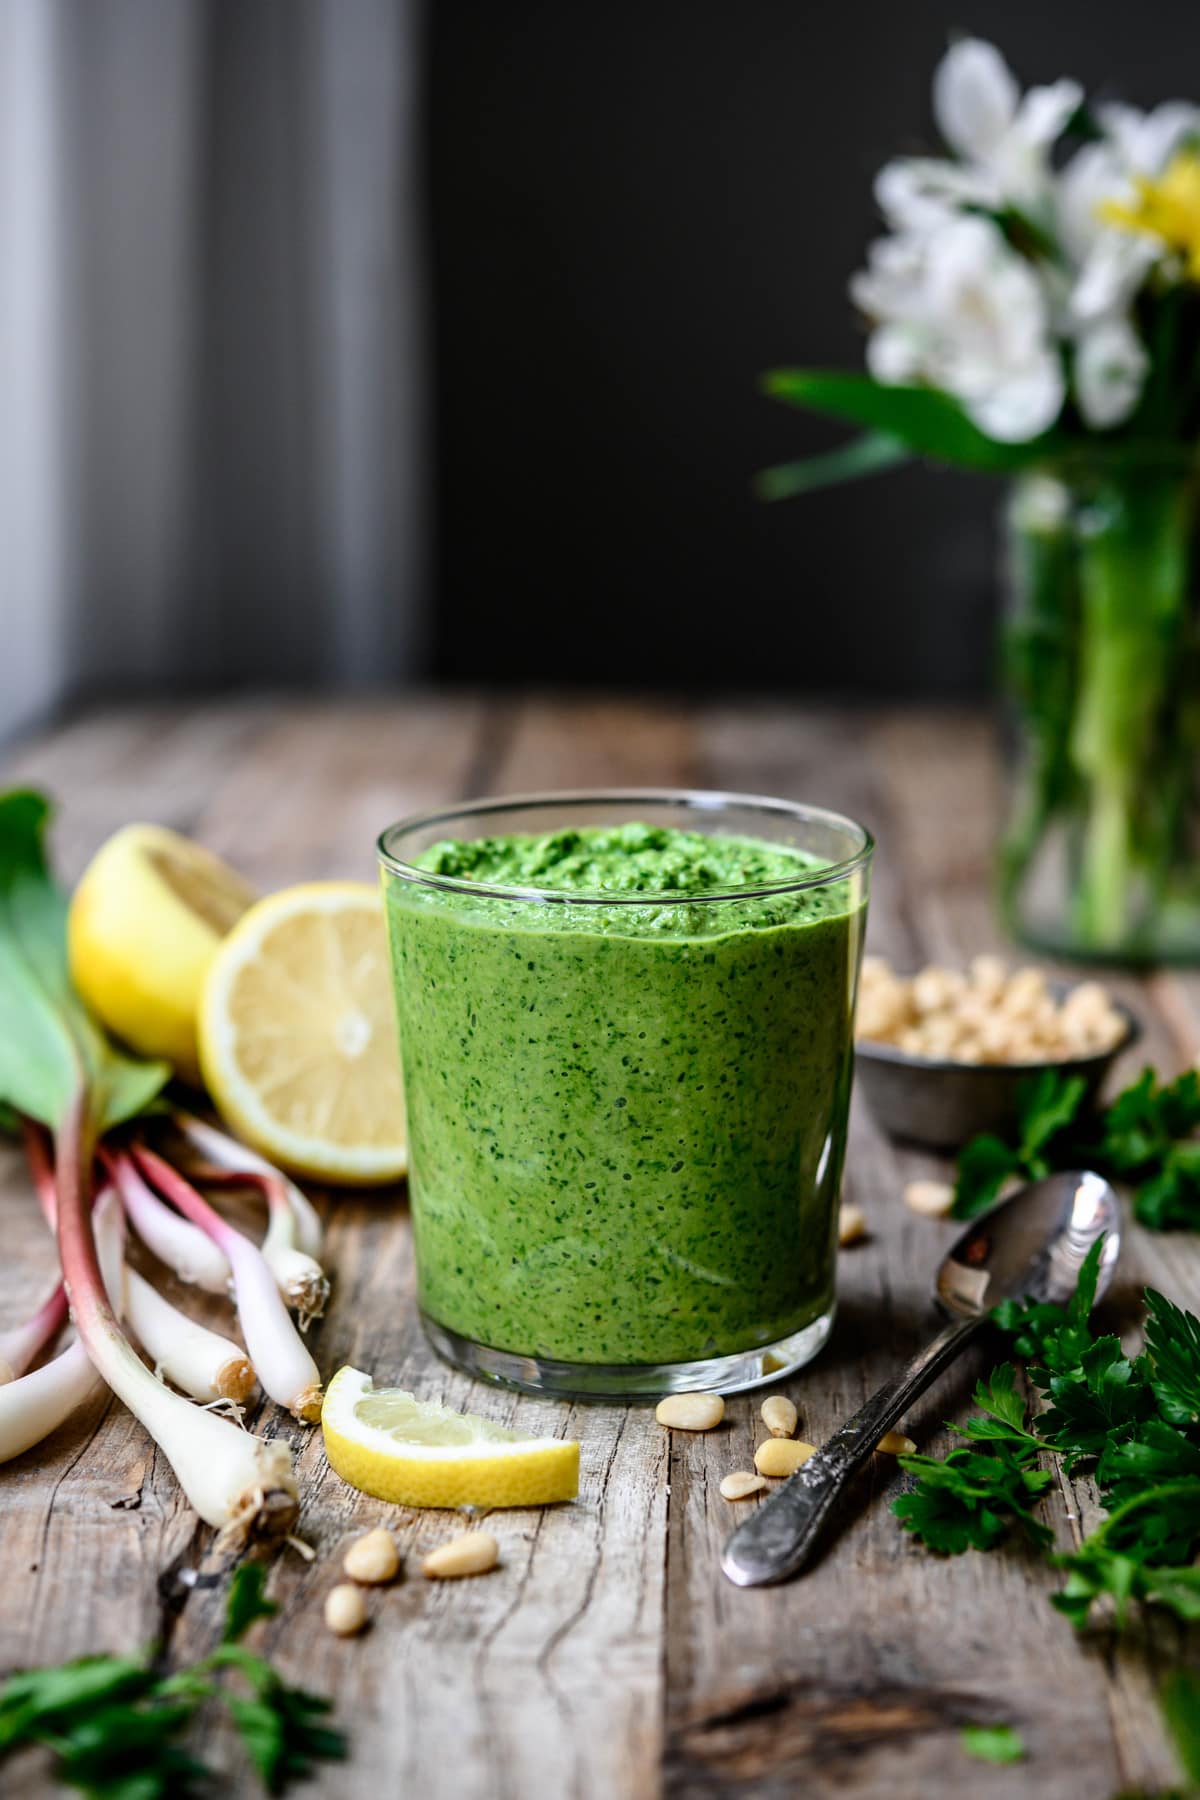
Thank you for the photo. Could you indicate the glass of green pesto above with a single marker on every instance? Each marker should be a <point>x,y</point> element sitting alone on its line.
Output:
<point>626,1029</point>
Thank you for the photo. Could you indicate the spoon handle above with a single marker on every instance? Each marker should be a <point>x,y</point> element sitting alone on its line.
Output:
<point>779,1537</point>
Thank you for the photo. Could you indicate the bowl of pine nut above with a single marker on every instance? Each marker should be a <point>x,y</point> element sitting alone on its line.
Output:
<point>942,1054</point>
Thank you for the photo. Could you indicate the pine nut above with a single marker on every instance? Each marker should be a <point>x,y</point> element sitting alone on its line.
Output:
<point>741,1484</point>
<point>782,1456</point>
<point>690,1412</point>
<point>780,1416</point>
<point>852,1224</point>
<point>372,1557</point>
<point>933,1199</point>
<point>894,1443</point>
<point>345,1609</point>
<point>988,973</point>
<point>471,1553</point>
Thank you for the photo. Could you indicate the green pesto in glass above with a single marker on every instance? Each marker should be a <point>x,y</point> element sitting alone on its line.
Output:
<point>626,1121</point>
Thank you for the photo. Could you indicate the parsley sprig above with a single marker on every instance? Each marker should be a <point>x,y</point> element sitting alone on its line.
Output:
<point>1135,1420</point>
<point>1047,1106</point>
<point>1147,1137</point>
<point>115,1723</point>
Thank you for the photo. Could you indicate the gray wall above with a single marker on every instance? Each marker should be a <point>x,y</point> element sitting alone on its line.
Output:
<point>211,317</point>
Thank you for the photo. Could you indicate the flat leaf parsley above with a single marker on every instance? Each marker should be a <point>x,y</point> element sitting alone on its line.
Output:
<point>116,1725</point>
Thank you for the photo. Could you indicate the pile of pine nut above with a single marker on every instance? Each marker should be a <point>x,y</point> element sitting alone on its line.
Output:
<point>984,1015</point>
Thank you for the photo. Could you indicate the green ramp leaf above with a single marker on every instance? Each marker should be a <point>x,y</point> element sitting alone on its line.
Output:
<point>51,1049</point>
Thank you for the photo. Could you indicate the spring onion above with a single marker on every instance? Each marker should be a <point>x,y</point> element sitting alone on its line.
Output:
<point>193,1255</point>
<point>293,1241</point>
<point>58,1070</point>
<point>281,1361</point>
<point>241,1484</point>
<point>201,1362</point>
<point>34,1405</point>
<point>21,1345</point>
<point>197,1359</point>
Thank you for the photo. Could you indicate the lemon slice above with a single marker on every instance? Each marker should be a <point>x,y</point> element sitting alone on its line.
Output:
<point>298,1036</point>
<point>143,927</point>
<point>385,1442</point>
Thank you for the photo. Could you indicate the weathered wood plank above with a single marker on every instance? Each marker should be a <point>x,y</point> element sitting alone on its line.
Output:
<point>555,743</point>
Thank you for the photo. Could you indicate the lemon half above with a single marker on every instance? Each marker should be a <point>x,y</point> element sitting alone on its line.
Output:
<point>298,1034</point>
<point>413,1452</point>
<point>143,927</point>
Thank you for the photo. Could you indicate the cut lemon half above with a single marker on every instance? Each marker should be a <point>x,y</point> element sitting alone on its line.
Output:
<point>413,1452</point>
<point>143,927</point>
<point>298,1036</point>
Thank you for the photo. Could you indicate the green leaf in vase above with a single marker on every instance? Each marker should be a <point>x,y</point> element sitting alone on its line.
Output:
<point>865,455</point>
<point>927,422</point>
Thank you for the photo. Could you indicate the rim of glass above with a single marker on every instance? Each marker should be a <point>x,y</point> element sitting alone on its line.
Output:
<point>699,800</point>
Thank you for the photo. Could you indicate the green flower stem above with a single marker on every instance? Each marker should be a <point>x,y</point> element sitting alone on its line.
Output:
<point>1040,677</point>
<point>1133,577</point>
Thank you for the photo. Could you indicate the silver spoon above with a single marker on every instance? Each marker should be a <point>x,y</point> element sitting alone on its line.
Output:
<point>1030,1247</point>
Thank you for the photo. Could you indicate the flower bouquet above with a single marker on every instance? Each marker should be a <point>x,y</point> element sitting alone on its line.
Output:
<point>1035,311</point>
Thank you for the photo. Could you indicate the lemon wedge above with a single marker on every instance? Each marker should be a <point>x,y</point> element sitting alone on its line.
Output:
<point>298,1036</point>
<point>143,927</point>
<point>413,1452</point>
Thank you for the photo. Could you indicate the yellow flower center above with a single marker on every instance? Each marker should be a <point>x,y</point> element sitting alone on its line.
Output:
<point>1168,208</point>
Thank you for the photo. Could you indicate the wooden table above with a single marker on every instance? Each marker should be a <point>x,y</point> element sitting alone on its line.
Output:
<point>607,1657</point>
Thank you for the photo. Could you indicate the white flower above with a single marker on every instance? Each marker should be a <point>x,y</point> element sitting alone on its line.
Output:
<point>1003,142</point>
<point>1096,173</point>
<point>915,192</point>
<point>981,115</point>
<point>956,307</point>
<point>1113,263</point>
<point>1113,271</point>
<point>1146,142</point>
<point>1110,366</point>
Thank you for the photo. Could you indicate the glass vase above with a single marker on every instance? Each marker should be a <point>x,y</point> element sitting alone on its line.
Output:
<point>1101,857</point>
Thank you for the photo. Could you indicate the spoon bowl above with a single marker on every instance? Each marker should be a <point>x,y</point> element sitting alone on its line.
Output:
<point>1030,1247</point>
<point>1033,1246</point>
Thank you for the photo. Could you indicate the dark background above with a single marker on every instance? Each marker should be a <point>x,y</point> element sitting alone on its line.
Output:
<point>636,208</point>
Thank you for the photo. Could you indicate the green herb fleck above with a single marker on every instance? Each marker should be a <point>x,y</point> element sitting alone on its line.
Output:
<point>992,1743</point>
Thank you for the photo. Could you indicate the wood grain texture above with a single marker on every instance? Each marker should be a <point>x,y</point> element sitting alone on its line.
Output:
<point>607,1656</point>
